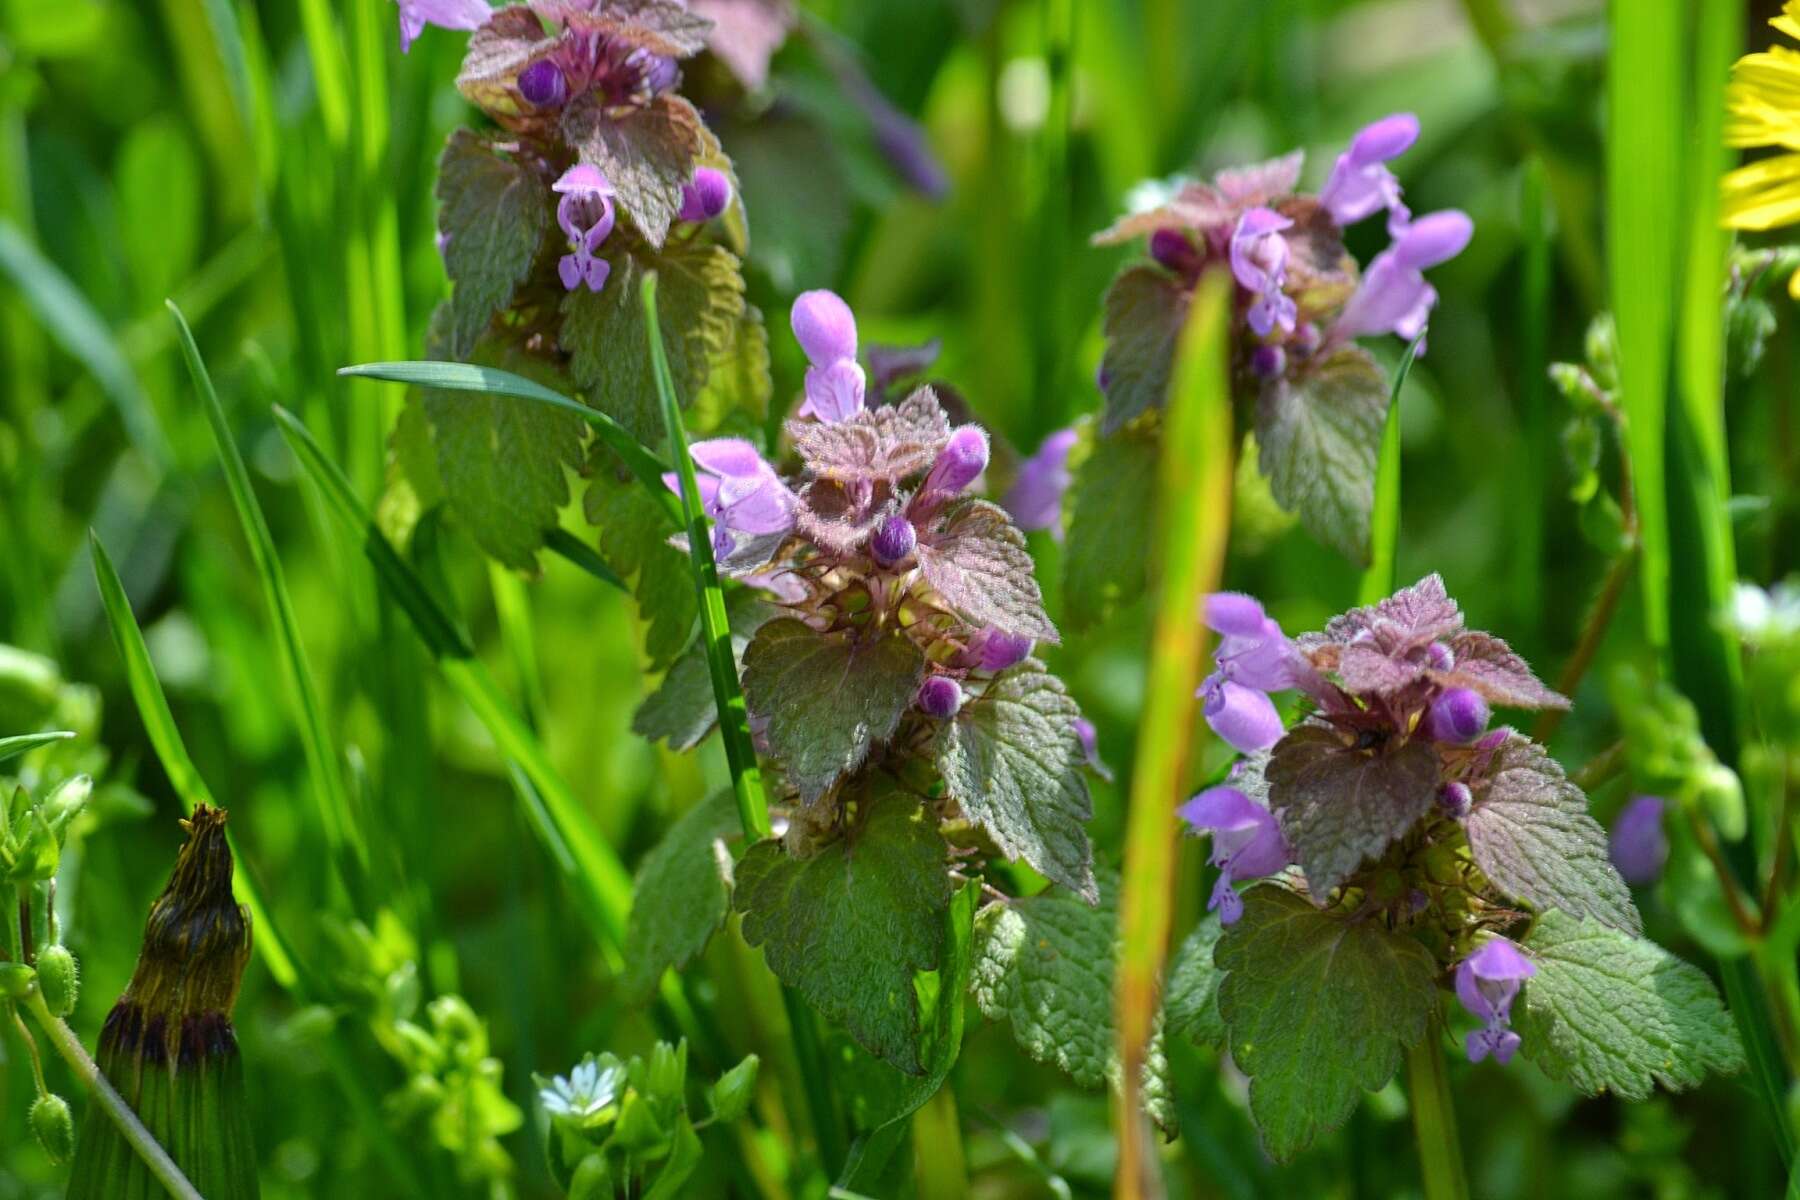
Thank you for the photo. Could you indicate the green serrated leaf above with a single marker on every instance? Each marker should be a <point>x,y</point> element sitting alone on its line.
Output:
<point>849,926</point>
<point>634,541</point>
<point>1531,835</point>
<point>648,154</point>
<point>699,302</point>
<point>682,895</point>
<point>1191,997</point>
<point>1011,760</point>
<point>738,383</point>
<point>1610,1012</point>
<point>1145,309</point>
<point>501,459</point>
<point>827,697</point>
<point>977,562</point>
<point>1318,437</point>
<point>1111,507</point>
<point>682,711</point>
<point>493,212</point>
<point>1340,806</point>
<point>414,487</point>
<point>1318,1010</point>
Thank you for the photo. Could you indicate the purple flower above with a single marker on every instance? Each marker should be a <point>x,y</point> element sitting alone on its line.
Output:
<point>706,196</point>
<point>894,541</point>
<point>1036,496</point>
<point>1246,843</point>
<point>1458,716</point>
<point>586,215</point>
<point>1456,799</point>
<point>961,461</point>
<point>1486,983</point>
<point>994,650</point>
<point>738,490</point>
<point>415,15</point>
<point>1393,296</point>
<point>1360,182</point>
<point>1259,257</point>
<point>1174,249</point>
<point>1254,658</point>
<point>1268,361</point>
<point>826,329</point>
<point>1639,848</point>
<point>1089,739</point>
<point>835,392</point>
<point>544,84</point>
<point>940,696</point>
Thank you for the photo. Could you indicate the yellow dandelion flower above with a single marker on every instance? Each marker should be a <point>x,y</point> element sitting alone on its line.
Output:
<point>1762,109</point>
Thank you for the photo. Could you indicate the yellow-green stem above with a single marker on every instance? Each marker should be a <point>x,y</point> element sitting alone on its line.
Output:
<point>1434,1119</point>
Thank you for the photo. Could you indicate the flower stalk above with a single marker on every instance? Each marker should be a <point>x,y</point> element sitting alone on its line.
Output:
<point>1434,1119</point>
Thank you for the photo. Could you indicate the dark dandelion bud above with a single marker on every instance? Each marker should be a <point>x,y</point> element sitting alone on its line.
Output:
<point>58,979</point>
<point>1455,799</point>
<point>543,84</point>
<point>1176,251</point>
<point>1268,362</point>
<point>1458,716</point>
<point>54,1127</point>
<point>893,543</point>
<point>940,696</point>
<point>168,1045</point>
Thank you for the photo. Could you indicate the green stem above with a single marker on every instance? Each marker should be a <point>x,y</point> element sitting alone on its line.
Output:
<point>940,1166</point>
<point>107,1096</point>
<point>815,1076</point>
<point>1434,1119</point>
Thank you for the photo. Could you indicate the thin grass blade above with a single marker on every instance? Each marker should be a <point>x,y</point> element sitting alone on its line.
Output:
<point>12,747</point>
<point>1378,580</point>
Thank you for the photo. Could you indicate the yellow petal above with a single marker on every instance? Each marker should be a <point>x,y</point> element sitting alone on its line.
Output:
<point>1789,20</point>
<point>1794,285</point>
<point>1763,194</point>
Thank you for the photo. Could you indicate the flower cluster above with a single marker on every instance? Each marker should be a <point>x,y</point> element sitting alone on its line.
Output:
<point>1393,800</point>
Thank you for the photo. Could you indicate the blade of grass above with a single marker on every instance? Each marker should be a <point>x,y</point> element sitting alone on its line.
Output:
<point>600,881</point>
<point>578,553</point>
<point>1194,506</point>
<point>348,853</point>
<point>76,327</point>
<point>12,747</point>
<point>468,377</point>
<point>1378,580</point>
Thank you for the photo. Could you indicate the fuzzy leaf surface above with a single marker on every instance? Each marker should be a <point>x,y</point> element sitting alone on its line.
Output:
<point>1011,760</point>
<point>1610,1012</point>
<point>699,302</point>
<point>1319,437</point>
<point>682,710</point>
<point>494,213</point>
<point>1144,310</point>
<point>1111,507</point>
<point>1318,1010</point>
<point>1487,665</point>
<point>665,27</point>
<point>849,926</point>
<point>682,895</point>
<point>1339,806</point>
<point>977,561</point>
<point>634,542</point>
<point>887,443</point>
<point>827,697</point>
<point>1191,996</point>
<point>1530,833</point>
<point>648,155</point>
<point>512,40</point>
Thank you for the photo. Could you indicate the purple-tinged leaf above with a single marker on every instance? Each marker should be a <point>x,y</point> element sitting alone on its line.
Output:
<point>512,40</point>
<point>665,27</point>
<point>1011,759</point>
<point>648,154</point>
<point>1318,436</point>
<point>1145,309</point>
<point>746,34</point>
<point>827,698</point>
<point>830,517</point>
<point>1341,806</point>
<point>977,562</point>
<point>1485,664</point>
<point>1366,669</point>
<point>876,444</point>
<point>492,214</point>
<point>1531,835</point>
<point>1412,617</point>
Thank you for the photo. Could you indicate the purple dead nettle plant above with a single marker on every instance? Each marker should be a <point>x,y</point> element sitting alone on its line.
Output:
<point>1310,398</point>
<point>1399,833</point>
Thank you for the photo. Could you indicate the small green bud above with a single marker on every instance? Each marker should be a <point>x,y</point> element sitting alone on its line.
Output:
<point>592,1179</point>
<point>54,1127</point>
<point>59,979</point>
<point>16,980</point>
<point>1442,864</point>
<point>732,1094</point>
<point>1721,796</point>
<point>69,798</point>
<point>1603,351</point>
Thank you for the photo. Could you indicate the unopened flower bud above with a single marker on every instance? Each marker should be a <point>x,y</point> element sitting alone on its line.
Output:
<point>58,979</point>
<point>824,326</point>
<point>16,980</point>
<point>543,84</point>
<point>1457,716</point>
<point>1306,340</point>
<point>1440,657</point>
<point>1455,799</point>
<point>706,196</point>
<point>893,543</point>
<point>995,650</point>
<point>54,1127</point>
<point>1175,250</point>
<point>1268,362</point>
<point>940,696</point>
<point>964,457</point>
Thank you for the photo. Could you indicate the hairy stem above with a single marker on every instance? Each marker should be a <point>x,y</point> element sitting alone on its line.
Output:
<point>1747,921</point>
<point>107,1096</point>
<point>1434,1119</point>
<point>1592,634</point>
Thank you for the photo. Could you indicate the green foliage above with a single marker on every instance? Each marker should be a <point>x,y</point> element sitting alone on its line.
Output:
<point>1109,528</point>
<point>647,155</point>
<point>681,711</point>
<point>1319,437</point>
<point>1191,1000</point>
<point>1669,755</point>
<point>1318,1009</point>
<point>849,926</point>
<point>1011,760</point>
<point>1146,308</point>
<point>977,561</point>
<point>1610,1012</point>
<point>682,893</point>
<point>492,214</point>
<point>634,541</point>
